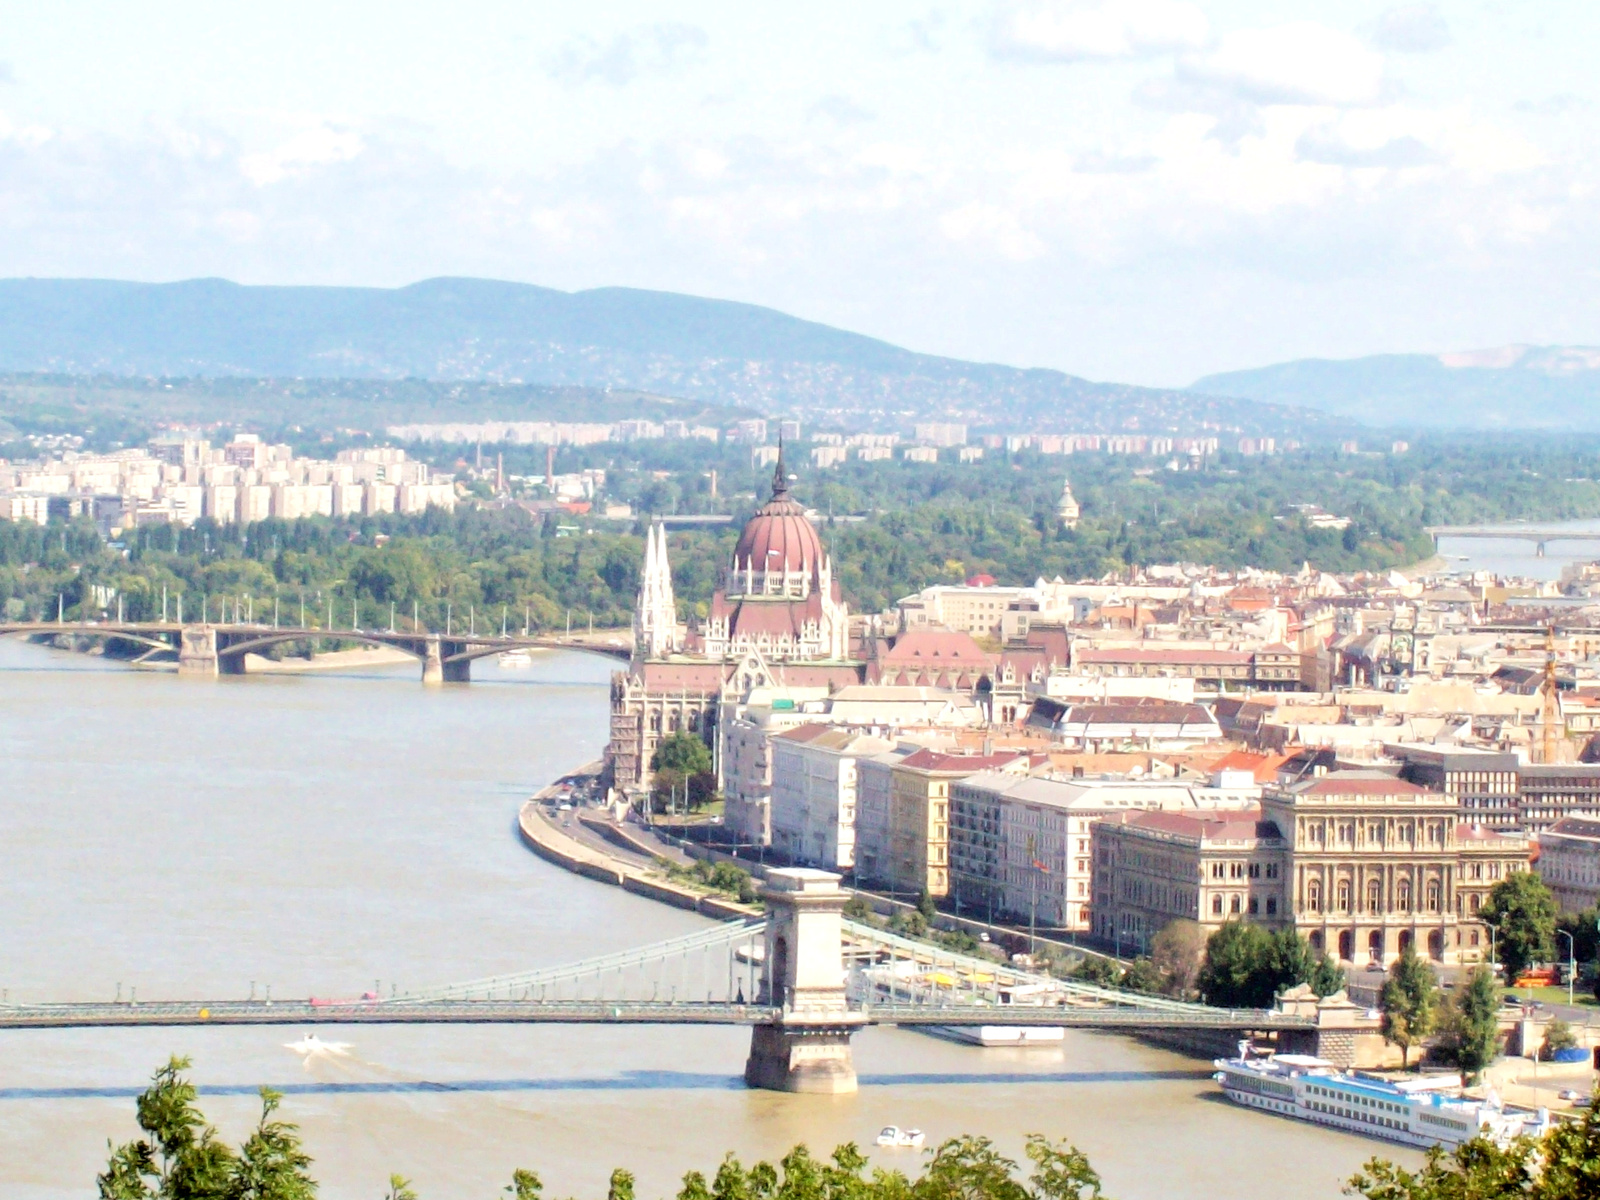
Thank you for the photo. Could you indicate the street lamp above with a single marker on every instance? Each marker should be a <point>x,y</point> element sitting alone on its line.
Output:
<point>1572,962</point>
<point>1493,930</point>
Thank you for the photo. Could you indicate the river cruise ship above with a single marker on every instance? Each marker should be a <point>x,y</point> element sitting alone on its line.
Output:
<point>1428,1110</point>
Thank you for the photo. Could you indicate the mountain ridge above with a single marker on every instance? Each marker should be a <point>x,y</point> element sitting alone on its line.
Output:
<point>454,328</point>
<point>1519,386</point>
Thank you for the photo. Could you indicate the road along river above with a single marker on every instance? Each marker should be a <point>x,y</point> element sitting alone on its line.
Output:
<point>322,834</point>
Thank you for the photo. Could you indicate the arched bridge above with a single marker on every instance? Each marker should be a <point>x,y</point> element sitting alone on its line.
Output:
<point>211,649</point>
<point>803,978</point>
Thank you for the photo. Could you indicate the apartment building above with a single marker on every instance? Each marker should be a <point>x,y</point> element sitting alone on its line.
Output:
<point>905,835</point>
<point>1023,846</point>
<point>1569,862</point>
<point>814,793</point>
<point>1482,782</point>
<point>1153,868</point>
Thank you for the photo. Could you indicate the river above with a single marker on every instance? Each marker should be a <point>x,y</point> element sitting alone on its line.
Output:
<point>323,833</point>
<point>1510,556</point>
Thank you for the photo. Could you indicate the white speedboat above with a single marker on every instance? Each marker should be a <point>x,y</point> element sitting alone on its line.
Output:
<point>893,1135</point>
<point>1427,1110</point>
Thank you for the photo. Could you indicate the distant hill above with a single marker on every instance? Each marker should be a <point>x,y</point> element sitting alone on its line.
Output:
<point>1512,387</point>
<point>707,351</point>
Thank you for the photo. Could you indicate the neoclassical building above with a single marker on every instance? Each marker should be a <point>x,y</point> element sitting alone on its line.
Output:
<point>1375,863</point>
<point>778,619</point>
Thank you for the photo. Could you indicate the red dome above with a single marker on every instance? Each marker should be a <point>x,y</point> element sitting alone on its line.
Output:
<point>778,537</point>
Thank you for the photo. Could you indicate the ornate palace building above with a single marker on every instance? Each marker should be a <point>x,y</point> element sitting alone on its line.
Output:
<point>778,620</point>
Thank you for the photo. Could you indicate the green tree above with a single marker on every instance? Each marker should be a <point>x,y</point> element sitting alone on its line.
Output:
<point>1565,1165</point>
<point>1143,975</point>
<point>399,1189</point>
<point>682,752</point>
<point>1522,909</point>
<point>1409,1001</point>
<point>621,1185</point>
<point>1178,953</point>
<point>926,906</point>
<point>524,1185</point>
<point>1247,967</point>
<point>1233,974</point>
<point>1558,1035</point>
<point>181,1158</point>
<point>1473,1021</point>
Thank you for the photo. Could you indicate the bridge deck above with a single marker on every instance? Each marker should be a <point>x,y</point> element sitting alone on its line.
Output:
<point>535,1012</point>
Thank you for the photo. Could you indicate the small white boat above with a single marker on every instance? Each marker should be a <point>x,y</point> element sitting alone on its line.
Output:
<point>515,658</point>
<point>893,1135</point>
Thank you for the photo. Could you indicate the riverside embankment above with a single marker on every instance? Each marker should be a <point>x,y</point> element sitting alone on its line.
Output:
<point>546,839</point>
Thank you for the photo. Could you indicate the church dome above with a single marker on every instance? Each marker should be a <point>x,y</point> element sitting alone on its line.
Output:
<point>778,537</point>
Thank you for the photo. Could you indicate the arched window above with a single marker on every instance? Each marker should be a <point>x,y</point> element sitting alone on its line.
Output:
<point>1314,895</point>
<point>1374,896</point>
<point>1233,905</point>
<point>1216,906</point>
<point>1344,895</point>
<point>1402,895</point>
<point>1433,895</point>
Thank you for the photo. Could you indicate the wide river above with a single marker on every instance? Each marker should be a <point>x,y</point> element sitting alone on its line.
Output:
<point>324,833</point>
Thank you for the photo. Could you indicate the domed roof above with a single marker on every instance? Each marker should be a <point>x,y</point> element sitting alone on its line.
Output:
<point>778,537</point>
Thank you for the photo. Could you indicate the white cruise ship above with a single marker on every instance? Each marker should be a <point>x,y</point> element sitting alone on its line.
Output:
<point>1428,1110</point>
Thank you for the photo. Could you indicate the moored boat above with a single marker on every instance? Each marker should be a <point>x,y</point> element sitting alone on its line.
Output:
<point>1428,1110</point>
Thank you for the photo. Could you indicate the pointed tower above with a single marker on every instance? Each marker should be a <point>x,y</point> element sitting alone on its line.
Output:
<point>655,614</point>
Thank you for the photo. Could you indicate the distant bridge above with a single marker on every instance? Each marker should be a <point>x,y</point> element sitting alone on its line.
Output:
<point>209,649</point>
<point>803,979</point>
<point>1513,533</point>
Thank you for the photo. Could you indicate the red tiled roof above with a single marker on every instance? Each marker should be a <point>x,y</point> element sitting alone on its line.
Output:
<point>940,760</point>
<point>943,644</point>
<point>1234,826</point>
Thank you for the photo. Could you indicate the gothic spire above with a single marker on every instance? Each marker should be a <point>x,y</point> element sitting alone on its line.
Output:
<point>780,478</point>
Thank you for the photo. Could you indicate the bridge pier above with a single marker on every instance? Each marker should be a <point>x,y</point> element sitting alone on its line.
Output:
<point>807,1049</point>
<point>440,664</point>
<point>197,652</point>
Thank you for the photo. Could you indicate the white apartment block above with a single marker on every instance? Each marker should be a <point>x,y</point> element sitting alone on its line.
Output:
<point>1024,846</point>
<point>814,793</point>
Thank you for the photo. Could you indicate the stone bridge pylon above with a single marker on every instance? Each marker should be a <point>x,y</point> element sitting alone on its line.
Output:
<point>807,1049</point>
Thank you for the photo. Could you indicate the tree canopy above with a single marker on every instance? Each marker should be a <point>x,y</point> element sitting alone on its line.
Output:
<point>1409,1001</point>
<point>1524,913</point>
<point>1247,967</point>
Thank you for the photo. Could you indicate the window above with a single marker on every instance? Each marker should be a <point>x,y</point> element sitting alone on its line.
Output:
<point>1255,906</point>
<point>1314,895</point>
<point>1374,896</point>
<point>1344,896</point>
<point>1216,906</point>
<point>1272,906</point>
<point>1233,905</point>
<point>1255,870</point>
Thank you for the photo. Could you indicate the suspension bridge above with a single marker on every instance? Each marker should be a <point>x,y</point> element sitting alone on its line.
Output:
<point>803,979</point>
<point>208,649</point>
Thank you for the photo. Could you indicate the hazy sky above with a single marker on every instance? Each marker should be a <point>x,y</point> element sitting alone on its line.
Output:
<point>1145,190</point>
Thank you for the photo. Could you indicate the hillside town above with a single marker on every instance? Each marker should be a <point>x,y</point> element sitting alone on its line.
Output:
<point>1360,758</point>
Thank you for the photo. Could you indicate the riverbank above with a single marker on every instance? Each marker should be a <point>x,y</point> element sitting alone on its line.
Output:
<point>333,660</point>
<point>545,837</point>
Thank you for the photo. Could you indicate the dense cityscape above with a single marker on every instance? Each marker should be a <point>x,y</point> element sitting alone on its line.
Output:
<point>984,601</point>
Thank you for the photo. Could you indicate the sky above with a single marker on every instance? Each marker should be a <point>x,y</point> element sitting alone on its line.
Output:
<point>1137,190</point>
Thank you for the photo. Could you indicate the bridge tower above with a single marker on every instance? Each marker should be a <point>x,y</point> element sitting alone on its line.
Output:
<point>807,1049</point>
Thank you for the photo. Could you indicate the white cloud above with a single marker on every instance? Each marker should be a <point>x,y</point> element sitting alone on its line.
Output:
<point>1411,29</point>
<point>1298,63</point>
<point>994,226</point>
<point>321,145</point>
<point>1073,30</point>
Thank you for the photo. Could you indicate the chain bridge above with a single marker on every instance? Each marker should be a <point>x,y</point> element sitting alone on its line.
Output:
<point>208,649</point>
<point>803,979</point>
